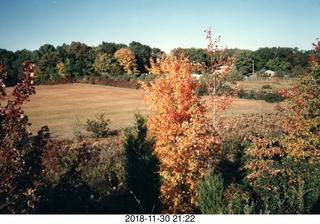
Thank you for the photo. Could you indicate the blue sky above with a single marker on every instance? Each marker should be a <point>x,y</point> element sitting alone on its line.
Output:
<point>166,24</point>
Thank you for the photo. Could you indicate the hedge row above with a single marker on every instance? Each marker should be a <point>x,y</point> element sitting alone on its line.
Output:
<point>131,84</point>
<point>260,95</point>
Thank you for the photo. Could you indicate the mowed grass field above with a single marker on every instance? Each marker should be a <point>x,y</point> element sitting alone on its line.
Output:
<point>61,107</point>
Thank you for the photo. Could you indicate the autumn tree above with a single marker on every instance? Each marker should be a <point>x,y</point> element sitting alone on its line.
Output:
<point>218,67</point>
<point>185,141</point>
<point>127,60</point>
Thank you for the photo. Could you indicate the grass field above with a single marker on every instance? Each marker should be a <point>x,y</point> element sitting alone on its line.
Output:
<point>60,106</point>
<point>257,85</point>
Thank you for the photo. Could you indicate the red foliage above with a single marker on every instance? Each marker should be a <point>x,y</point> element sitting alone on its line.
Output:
<point>20,158</point>
<point>3,75</point>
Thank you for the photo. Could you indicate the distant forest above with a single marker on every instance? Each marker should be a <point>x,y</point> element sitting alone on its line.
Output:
<point>77,61</point>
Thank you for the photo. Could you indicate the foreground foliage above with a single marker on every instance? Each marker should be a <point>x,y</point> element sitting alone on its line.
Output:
<point>20,158</point>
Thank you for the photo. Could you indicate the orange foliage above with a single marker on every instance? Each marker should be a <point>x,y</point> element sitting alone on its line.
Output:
<point>262,160</point>
<point>127,60</point>
<point>185,142</point>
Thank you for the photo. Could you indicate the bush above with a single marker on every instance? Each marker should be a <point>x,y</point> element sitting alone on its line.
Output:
<point>260,95</point>
<point>237,200</point>
<point>85,176</point>
<point>230,163</point>
<point>71,194</point>
<point>77,128</point>
<point>20,156</point>
<point>122,83</point>
<point>267,86</point>
<point>211,194</point>
<point>142,167</point>
<point>98,126</point>
<point>294,190</point>
<point>273,98</point>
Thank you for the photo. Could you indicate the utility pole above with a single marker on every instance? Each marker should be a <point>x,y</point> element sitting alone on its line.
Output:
<point>252,67</point>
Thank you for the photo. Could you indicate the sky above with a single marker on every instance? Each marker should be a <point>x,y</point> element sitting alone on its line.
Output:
<point>165,24</point>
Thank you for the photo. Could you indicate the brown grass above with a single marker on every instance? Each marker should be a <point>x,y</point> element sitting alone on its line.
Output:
<point>276,84</point>
<point>59,106</point>
<point>243,106</point>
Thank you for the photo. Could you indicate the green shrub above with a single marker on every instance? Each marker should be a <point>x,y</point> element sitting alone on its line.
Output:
<point>230,162</point>
<point>211,194</point>
<point>237,200</point>
<point>142,167</point>
<point>98,126</point>
<point>294,190</point>
<point>273,98</point>
<point>260,95</point>
<point>267,86</point>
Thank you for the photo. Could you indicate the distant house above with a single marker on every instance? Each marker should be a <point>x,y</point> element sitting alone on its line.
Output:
<point>271,74</point>
<point>222,70</point>
<point>196,76</point>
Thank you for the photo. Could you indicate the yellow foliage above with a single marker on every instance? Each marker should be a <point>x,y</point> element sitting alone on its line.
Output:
<point>185,141</point>
<point>127,60</point>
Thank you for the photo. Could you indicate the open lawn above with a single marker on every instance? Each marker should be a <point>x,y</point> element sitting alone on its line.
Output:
<point>60,106</point>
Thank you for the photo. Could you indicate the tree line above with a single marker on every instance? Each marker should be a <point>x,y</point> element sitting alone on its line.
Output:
<point>284,61</point>
<point>77,61</point>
